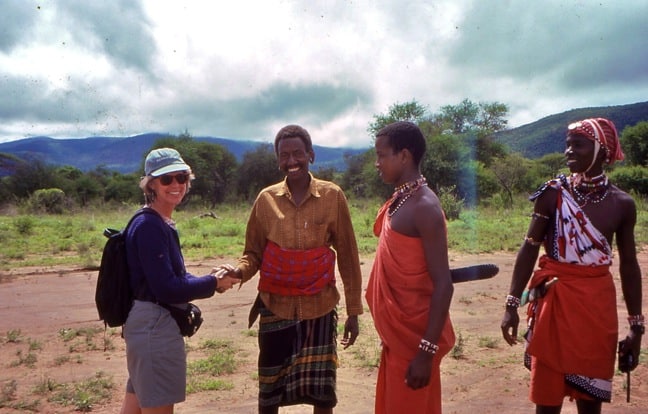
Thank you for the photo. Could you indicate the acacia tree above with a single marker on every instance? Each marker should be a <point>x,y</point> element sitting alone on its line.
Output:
<point>410,111</point>
<point>478,122</point>
<point>511,172</point>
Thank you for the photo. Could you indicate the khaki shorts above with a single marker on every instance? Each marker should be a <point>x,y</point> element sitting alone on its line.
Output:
<point>155,354</point>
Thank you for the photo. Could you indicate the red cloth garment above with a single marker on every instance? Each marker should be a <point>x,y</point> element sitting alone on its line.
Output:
<point>296,272</point>
<point>575,325</point>
<point>398,295</point>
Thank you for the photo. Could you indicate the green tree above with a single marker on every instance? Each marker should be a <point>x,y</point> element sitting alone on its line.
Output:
<point>545,168</point>
<point>123,188</point>
<point>212,164</point>
<point>410,111</point>
<point>258,170</point>
<point>87,188</point>
<point>478,122</point>
<point>511,173</point>
<point>66,177</point>
<point>446,164</point>
<point>29,177</point>
<point>634,141</point>
<point>361,177</point>
<point>460,118</point>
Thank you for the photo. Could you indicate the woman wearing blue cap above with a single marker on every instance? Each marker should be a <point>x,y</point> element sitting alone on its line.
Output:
<point>155,350</point>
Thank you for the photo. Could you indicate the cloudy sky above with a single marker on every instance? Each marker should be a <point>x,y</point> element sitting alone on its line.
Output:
<point>242,69</point>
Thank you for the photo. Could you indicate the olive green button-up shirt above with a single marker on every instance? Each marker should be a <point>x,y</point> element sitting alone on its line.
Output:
<point>322,219</point>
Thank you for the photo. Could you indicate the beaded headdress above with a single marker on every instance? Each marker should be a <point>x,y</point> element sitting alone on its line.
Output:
<point>604,134</point>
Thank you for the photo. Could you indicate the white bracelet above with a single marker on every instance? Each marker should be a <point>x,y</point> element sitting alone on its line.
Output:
<point>512,301</point>
<point>428,346</point>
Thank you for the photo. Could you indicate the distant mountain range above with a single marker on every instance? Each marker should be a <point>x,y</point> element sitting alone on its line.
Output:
<point>125,154</point>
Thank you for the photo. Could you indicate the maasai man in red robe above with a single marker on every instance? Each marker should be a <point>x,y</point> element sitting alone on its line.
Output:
<point>410,287</point>
<point>573,332</point>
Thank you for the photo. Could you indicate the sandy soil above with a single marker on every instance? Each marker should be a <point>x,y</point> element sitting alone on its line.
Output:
<point>489,377</point>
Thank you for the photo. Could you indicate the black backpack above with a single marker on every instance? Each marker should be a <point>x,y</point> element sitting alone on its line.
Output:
<point>113,295</point>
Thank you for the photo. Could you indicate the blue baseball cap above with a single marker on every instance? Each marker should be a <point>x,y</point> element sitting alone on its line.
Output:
<point>163,161</point>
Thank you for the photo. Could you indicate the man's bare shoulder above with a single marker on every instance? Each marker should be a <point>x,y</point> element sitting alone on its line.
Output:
<point>428,204</point>
<point>621,198</point>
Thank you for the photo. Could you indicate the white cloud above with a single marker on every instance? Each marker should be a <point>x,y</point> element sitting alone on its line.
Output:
<point>244,69</point>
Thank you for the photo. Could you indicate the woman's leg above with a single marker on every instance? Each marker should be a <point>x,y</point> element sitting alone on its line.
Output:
<point>130,404</point>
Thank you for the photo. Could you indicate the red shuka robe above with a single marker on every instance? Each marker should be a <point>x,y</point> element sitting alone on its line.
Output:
<point>398,295</point>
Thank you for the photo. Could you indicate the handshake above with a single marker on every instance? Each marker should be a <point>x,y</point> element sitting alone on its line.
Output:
<point>227,276</point>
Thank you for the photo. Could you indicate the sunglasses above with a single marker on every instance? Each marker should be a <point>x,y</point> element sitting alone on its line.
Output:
<point>168,179</point>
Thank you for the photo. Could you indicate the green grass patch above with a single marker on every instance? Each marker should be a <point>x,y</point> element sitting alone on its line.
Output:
<point>82,395</point>
<point>220,360</point>
<point>14,336</point>
<point>76,239</point>
<point>366,350</point>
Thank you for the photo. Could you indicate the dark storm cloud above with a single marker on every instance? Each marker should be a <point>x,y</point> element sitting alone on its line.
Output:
<point>118,29</point>
<point>282,101</point>
<point>244,117</point>
<point>32,101</point>
<point>574,45</point>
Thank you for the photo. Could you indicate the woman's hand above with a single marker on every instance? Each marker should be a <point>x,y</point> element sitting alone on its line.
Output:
<point>227,276</point>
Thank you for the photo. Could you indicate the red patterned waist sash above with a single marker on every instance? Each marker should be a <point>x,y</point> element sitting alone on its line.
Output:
<point>296,272</point>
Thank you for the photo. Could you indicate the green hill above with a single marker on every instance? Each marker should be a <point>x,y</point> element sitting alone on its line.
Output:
<point>547,135</point>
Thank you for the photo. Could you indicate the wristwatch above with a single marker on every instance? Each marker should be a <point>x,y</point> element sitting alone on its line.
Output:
<point>638,329</point>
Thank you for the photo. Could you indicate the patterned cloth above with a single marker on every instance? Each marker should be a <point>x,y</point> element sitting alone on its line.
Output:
<point>573,329</point>
<point>296,272</point>
<point>576,240</point>
<point>297,360</point>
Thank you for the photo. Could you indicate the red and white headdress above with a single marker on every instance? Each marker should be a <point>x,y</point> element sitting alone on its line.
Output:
<point>604,134</point>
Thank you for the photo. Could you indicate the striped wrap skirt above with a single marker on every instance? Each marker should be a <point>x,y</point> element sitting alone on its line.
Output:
<point>297,360</point>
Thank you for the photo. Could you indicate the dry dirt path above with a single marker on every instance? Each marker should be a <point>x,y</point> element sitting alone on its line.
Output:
<point>488,378</point>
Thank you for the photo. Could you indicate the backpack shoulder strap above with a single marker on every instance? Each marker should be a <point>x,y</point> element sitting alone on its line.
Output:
<point>143,210</point>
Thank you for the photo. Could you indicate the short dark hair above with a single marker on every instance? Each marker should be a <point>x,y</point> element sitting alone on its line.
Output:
<point>405,135</point>
<point>293,131</point>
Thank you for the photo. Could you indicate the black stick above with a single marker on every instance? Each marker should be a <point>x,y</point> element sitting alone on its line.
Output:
<point>474,272</point>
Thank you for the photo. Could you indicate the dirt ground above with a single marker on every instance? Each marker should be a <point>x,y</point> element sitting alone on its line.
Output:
<point>488,377</point>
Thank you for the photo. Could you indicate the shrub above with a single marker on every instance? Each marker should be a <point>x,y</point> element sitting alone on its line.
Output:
<point>50,200</point>
<point>634,178</point>
<point>452,205</point>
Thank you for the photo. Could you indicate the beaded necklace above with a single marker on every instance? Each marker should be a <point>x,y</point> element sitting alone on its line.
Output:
<point>593,191</point>
<point>403,192</point>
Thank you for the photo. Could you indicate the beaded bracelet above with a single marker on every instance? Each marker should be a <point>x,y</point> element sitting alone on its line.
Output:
<point>538,215</point>
<point>428,346</point>
<point>531,241</point>
<point>512,301</point>
<point>636,320</point>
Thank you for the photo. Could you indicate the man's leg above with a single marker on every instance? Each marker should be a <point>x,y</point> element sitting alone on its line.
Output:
<point>274,409</point>
<point>588,407</point>
<point>322,410</point>
<point>548,409</point>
